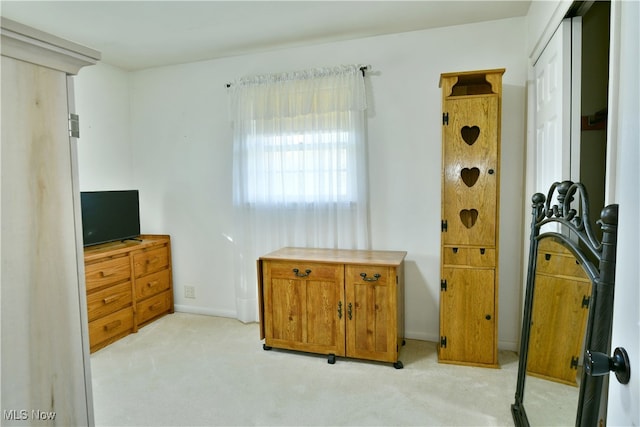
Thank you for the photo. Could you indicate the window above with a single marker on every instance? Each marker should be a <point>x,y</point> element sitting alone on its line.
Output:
<point>300,167</point>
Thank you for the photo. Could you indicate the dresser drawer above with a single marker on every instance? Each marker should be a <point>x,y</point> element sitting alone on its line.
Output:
<point>108,300</point>
<point>472,257</point>
<point>560,265</point>
<point>154,306</point>
<point>378,275</point>
<point>152,284</point>
<point>296,270</point>
<point>111,326</point>
<point>107,272</point>
<point>150,261</point>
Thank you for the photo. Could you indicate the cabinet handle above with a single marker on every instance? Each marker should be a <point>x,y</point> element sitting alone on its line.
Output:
<point>339,309</point>
<point>112,325</point>
<point>350,310</point>
<point>152,284</point>
<point>370,279</point>
<point>151,261</point>
<point>298,274</point>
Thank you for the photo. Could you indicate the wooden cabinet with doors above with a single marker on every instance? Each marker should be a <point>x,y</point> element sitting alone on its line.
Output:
<point>335,302</point>
<point>561,298</point>
<point>471,110</point>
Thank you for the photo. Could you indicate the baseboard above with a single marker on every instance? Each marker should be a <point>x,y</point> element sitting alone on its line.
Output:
<point>508,345</point>
<point>421,336</point>
<point>206,311</point>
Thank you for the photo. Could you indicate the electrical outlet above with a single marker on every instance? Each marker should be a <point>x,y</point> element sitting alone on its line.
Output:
<point>189,292</point>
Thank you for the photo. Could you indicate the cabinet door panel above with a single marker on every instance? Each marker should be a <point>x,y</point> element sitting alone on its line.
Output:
<point>467,316</point>
<point>323,326</point>
<point>287,305</point>
<point>558,316</point>
<point>371,314</point>
<point>302,313</point>
<point>470,173</point>
<point>42,312</point>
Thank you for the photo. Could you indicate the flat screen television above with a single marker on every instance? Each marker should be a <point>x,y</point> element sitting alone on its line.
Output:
<point>108,216</point>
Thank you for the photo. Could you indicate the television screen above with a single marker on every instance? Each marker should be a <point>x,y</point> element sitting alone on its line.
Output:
<point>109,215</point>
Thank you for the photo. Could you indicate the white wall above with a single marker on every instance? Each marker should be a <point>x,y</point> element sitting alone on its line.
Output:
<point>104,148</point>
<point>181,152</point>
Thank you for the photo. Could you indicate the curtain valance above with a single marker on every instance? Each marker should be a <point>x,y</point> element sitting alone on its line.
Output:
<point>298,93</point>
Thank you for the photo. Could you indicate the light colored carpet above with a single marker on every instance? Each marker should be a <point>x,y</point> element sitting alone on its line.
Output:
<point>192,370</point>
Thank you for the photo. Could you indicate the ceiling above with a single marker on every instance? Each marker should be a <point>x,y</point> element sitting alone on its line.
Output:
<point>135,35</point>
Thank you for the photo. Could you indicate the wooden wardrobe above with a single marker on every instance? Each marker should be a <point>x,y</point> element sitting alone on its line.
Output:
<point>46,374</point>
<point>471,110</point>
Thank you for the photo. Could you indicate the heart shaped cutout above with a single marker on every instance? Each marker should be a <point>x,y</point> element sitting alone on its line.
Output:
<point>469,217</point>
<point>470,176</point>
<point>470,134</point>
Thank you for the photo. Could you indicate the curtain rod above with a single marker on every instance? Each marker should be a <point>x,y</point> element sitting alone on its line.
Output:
<point>362,69</point>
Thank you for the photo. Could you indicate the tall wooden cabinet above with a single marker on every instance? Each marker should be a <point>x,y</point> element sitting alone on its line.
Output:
<point>44,351</point>
<point>334,302</point>
<point>471,110</point>
<point>559,315</point>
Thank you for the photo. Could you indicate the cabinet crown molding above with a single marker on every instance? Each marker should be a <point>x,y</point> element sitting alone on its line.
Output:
<point>28,44</point>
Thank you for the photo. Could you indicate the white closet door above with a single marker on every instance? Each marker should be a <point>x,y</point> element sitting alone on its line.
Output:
<point>556,72</point>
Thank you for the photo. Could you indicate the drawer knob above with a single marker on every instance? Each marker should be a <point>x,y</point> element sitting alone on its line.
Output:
<point>112,298</point>
<point>298,274</point>
<point>155,306</point>
<point>152,284</point>
<point>370,279</point>
<point>112,325</point>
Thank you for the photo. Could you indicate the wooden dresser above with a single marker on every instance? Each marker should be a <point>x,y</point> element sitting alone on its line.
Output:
<point>129,284</point>
<point>334,302</point>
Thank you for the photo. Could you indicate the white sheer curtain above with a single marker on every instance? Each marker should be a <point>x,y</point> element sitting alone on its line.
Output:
<point>299,167</point>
